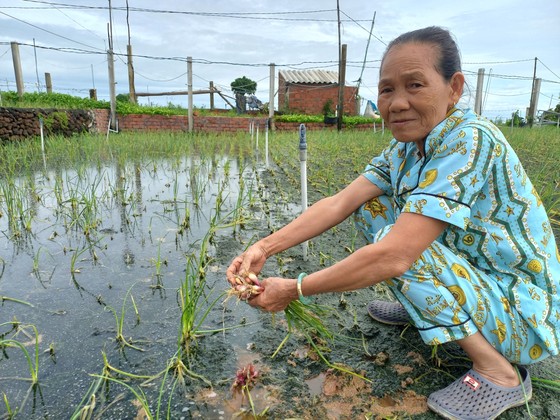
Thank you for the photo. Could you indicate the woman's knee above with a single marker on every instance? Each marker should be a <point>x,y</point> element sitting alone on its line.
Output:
<point>374,216</point>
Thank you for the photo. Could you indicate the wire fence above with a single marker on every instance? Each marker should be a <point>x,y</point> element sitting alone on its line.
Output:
<point>85,68</point>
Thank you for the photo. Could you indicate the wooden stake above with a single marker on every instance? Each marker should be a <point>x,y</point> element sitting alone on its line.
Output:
<point>48,82</point>
<point>17,67</point>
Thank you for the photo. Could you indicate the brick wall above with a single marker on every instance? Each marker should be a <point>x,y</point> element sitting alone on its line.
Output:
<point>206,124</point>
<point>21,123</point>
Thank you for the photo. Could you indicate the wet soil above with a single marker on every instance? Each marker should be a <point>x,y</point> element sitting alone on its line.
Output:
<point>398,370</point>
<point>394,371</point>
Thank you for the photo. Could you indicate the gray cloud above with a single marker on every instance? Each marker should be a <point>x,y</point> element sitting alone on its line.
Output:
<point>502,36</point>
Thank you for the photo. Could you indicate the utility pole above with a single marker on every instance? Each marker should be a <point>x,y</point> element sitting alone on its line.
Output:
<point>131,88</point>
<point>111,66</point>
<point>112,93</point>
<point>478,97</point>
<point>190,92</point>
<point>341,81</point>
<point>36,66</point>
<point>338,113</point>
<point>211,88</point>
<point>532,106</point>
<point>271,96</point>
<point>535,100</point>
<point>17,68</point>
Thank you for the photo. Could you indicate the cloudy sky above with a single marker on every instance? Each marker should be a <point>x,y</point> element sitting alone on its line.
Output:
<point>227,40</point>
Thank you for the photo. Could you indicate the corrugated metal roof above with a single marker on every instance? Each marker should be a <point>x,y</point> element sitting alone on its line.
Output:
<point>310,76</point>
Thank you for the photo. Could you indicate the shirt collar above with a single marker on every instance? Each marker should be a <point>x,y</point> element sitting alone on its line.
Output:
<point>440,131</point>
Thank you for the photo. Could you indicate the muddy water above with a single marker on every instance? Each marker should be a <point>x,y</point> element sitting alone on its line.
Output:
<point>104,243</point>
<point>74,288</point>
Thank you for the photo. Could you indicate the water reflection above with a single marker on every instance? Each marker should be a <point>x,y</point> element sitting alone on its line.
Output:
<point>99,251</point>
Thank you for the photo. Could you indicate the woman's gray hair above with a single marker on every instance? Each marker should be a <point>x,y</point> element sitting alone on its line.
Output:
<point>449,57</point>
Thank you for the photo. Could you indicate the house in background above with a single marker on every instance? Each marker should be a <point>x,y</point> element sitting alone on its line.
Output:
<point>309,91</point>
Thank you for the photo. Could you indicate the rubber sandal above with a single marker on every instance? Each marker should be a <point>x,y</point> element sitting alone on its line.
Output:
<point>392,313</point>
<point>474,397</point>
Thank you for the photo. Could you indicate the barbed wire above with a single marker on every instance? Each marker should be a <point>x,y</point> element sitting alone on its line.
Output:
<point>224,88</point>
<point>46,30</point>
<point>136,72</point>
<point>548,68</point>
<point>4,53</point>
<point>370,64</point>
<point>234,15</point>
<point>257,15</point>
<point>365,29</point>
<point>328,63</point>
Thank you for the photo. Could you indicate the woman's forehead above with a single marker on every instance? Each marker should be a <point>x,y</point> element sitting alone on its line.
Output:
<point>409,58</point>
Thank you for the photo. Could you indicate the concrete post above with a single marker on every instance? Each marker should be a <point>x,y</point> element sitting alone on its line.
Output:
<point>17,67</point>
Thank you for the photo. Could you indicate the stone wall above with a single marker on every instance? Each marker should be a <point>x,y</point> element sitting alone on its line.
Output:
<point>20,123</point>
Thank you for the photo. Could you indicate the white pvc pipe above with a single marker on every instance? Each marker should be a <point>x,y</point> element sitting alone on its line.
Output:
<point>42,135</point>
<point>41,124</point>
<point>303,173</point>
<point>266,143</point>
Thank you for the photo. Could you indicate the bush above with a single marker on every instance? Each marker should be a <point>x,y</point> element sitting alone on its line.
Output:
<point>50,100</point>
<point>347,119</point>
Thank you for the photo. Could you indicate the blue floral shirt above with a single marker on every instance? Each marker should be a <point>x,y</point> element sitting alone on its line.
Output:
<point>471,178</point>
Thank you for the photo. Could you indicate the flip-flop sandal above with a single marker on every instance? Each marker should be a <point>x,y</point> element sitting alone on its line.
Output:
<point>392,313</point>
<point>476,398</point>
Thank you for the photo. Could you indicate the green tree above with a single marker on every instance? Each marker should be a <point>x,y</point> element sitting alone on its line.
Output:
<point>123,97</point>
<point>518,121</point>
<point>244,86</point>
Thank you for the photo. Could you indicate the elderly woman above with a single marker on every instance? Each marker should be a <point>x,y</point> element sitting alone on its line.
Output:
<point>455,229</point>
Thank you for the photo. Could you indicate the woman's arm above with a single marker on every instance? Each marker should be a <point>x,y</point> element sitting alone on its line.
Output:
<point>392,256</point>
<point>318,218</point>
<point>411,235</point>
<point>321,216</point>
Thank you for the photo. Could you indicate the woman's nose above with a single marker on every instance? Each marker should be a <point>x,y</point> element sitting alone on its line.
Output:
<point>399,102</point>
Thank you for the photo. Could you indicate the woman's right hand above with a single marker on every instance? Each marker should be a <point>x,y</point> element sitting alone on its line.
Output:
<point>251,261</point>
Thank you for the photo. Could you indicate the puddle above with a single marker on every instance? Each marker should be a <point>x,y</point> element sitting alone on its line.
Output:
<point>94,255</point>
<point>315,384</point>
<point>107,249</point>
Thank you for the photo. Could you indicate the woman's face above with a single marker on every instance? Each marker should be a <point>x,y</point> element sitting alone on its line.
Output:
<point>413,97</point>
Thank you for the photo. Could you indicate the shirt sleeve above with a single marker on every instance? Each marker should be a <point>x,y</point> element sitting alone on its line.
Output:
<point>378,171</point>
<point>454,176</point>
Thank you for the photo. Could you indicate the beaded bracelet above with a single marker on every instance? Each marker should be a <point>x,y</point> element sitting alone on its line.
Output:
<point>302,298</point>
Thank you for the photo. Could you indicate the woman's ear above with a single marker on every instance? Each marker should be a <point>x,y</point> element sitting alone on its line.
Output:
<point>457,84</point>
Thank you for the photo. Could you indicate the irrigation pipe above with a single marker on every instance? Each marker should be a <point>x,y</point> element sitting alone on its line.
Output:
<point>43,143</point>
<point>42,135</point>
<point>116,130</point>
<point>303,172</point>
<point>257,144</point>
<point>251,129</point>
<point>266,142</point>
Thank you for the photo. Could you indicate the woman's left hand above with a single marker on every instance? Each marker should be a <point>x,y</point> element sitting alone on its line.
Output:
<point>277,295</point>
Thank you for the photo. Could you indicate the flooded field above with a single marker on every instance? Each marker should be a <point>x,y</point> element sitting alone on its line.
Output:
<point>113,294</point>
